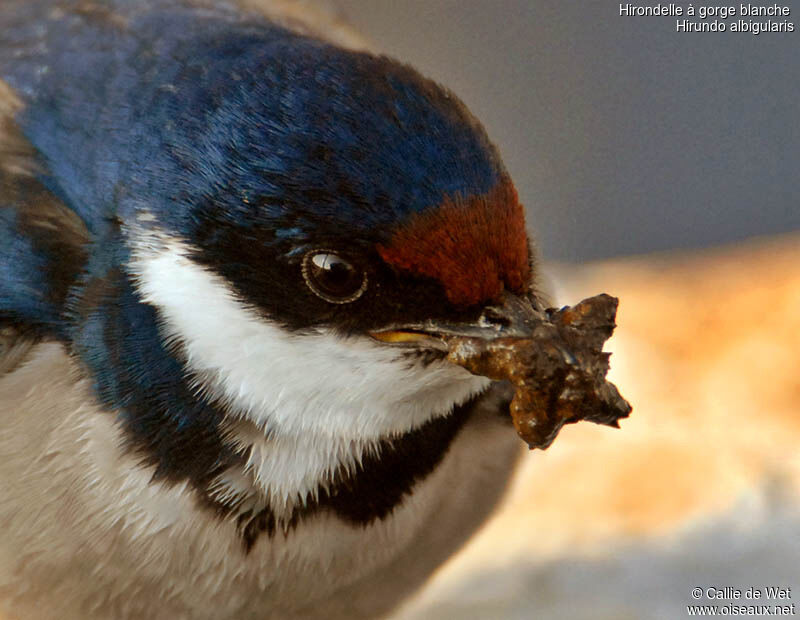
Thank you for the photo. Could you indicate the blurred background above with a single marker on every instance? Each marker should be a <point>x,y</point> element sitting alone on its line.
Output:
<point>660,167</point>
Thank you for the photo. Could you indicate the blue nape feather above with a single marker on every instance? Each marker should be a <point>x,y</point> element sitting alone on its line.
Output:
<point>42,251</point>
<point>22,288</point>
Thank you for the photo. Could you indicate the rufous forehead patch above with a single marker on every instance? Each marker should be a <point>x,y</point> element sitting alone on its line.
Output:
<point>475,246</point>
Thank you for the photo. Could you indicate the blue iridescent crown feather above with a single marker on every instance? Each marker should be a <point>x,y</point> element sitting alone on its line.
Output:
<point>162,108</point>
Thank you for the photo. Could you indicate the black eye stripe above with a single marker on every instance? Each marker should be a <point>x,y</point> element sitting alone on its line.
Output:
<point>332,278</point>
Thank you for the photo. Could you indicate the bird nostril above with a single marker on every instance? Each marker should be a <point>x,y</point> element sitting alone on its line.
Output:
<point>494,316</point>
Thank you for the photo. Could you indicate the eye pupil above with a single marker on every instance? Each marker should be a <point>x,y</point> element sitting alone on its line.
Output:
<point>332,272</point>
<point>333,278</point>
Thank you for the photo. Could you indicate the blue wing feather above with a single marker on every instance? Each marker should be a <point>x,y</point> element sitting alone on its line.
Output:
<point>42,253</point>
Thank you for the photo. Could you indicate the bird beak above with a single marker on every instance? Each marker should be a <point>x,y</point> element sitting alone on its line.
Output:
<point>511,317</point>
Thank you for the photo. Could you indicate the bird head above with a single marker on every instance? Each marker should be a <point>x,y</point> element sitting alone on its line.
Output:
<point>335,213</point>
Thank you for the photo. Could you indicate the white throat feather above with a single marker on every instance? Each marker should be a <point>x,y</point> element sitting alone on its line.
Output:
<point>320,400</point>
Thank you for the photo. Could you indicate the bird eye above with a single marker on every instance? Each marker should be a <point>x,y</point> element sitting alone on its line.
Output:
<point>332,278</point>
